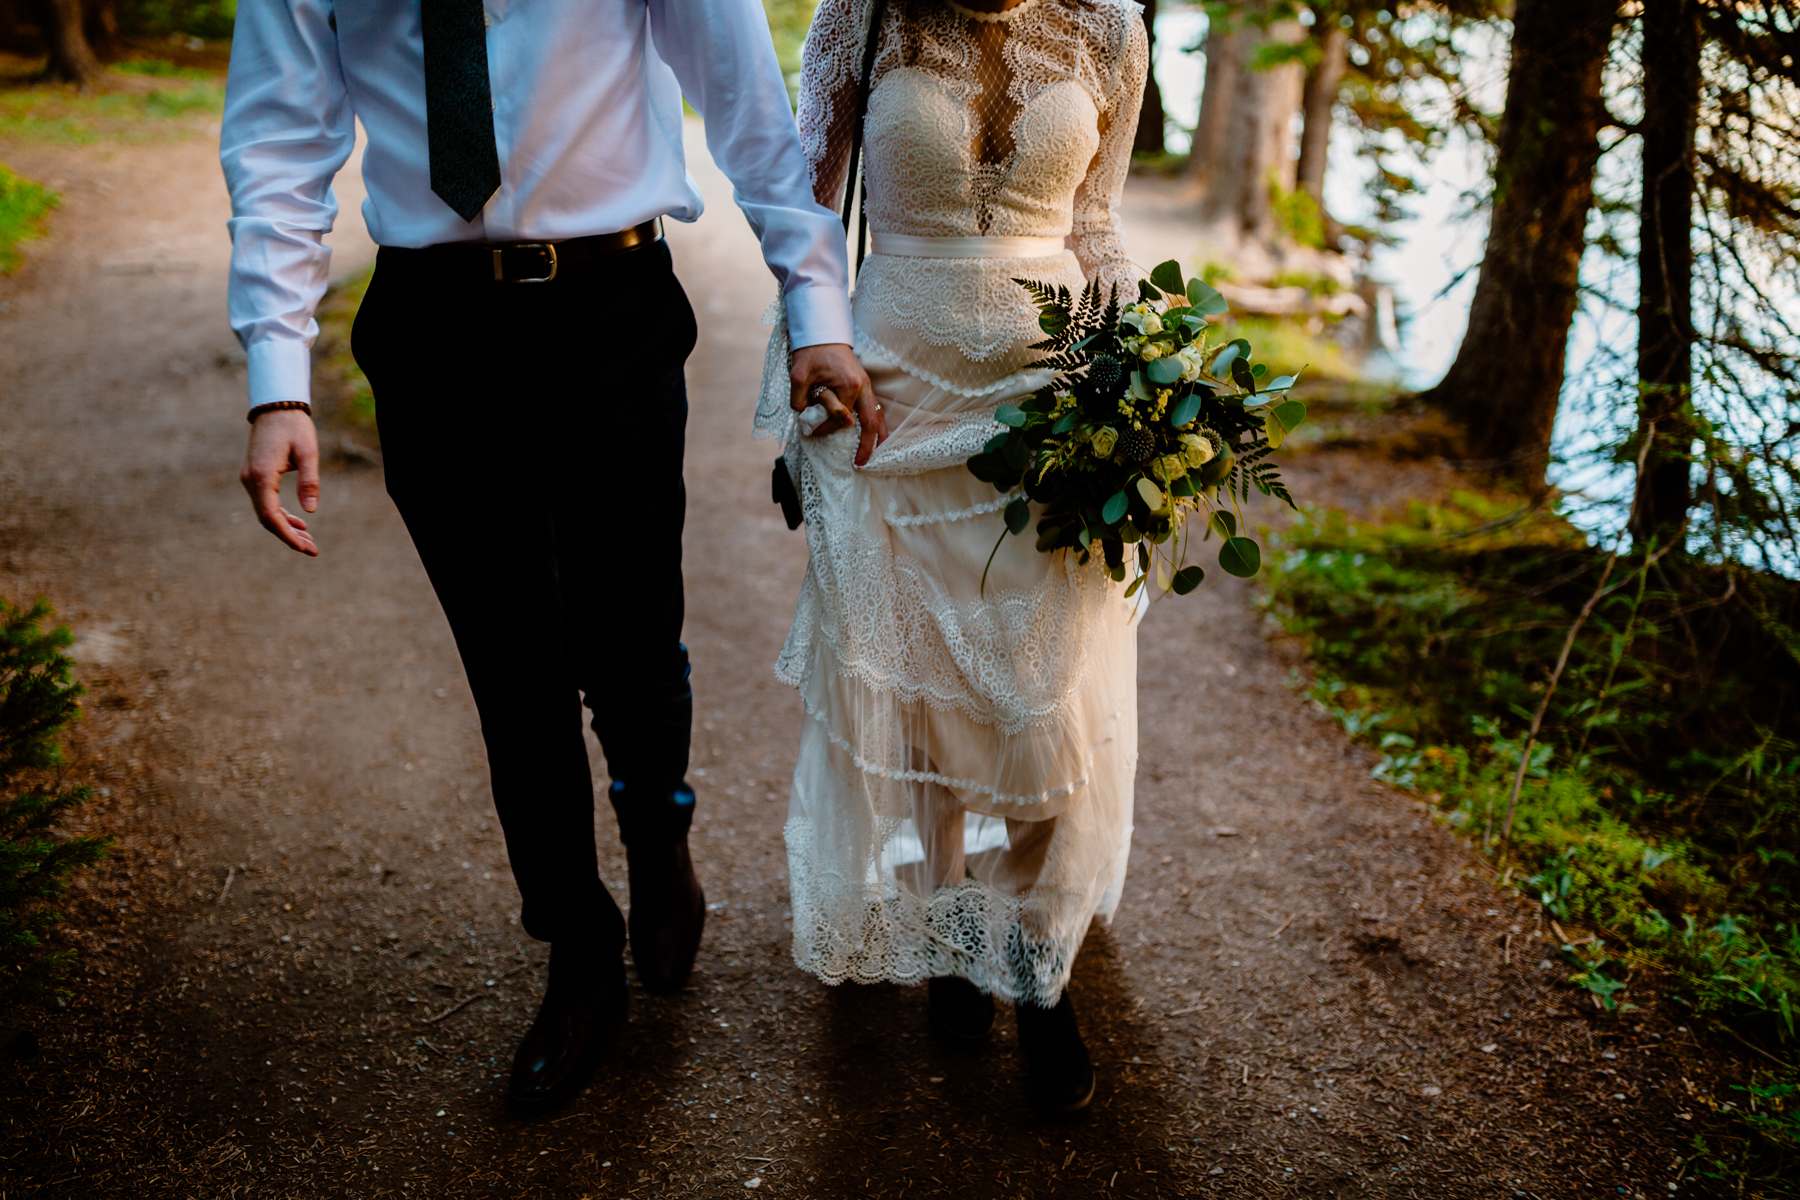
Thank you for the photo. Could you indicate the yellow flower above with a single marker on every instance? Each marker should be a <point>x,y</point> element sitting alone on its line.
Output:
<point>1169,468</point>
<point>1152,351</point>
<point>1106,438</point>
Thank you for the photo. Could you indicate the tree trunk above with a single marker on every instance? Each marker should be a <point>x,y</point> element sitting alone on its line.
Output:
<point>1504,385</point>
<point>101,23</point>
<point>1318,104</point>
<point>1665,268</point>
<point>71,58</point>
<point>1152,121</point>
<point>1224,54</point>
<point>1244,146</point>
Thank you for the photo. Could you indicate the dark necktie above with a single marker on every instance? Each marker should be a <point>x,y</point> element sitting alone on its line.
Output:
<point>459,109</point>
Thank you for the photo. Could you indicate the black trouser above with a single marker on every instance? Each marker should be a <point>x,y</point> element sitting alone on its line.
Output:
<point>532,437</point>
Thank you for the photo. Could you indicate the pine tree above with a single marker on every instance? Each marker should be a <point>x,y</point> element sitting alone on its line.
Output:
<point>1506,382</point>
<point>38,698</point>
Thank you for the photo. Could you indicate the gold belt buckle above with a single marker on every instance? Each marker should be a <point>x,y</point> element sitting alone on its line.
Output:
<point>549,250</point>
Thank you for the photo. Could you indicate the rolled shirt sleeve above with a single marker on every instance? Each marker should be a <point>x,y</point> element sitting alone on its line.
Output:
<point>721,53</point>
<point>287,130</point>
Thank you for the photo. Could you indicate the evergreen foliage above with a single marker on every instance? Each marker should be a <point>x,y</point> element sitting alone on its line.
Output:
<point>38,699</point>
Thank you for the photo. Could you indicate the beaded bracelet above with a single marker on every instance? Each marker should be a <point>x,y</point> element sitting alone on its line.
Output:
<point>279,406</point>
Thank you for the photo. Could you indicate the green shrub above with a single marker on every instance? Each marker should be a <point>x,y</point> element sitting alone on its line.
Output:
<point>1659,809</point>
<point>38,698</point>
<point>201,18</point>
<point>1661,803</point>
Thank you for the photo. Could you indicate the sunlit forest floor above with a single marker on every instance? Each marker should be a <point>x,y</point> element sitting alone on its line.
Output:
<point>301,975</point>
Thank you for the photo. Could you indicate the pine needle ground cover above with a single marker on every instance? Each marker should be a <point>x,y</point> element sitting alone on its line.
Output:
<point>1656,814</point>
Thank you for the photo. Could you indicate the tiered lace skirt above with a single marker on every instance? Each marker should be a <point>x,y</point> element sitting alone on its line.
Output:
<point>962,798</point>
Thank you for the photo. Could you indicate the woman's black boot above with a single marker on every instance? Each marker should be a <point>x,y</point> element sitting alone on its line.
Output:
<point>957,1011</point>
<point>1059,1075</point>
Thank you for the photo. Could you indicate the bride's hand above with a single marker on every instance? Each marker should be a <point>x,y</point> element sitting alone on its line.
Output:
<point>830,376</point>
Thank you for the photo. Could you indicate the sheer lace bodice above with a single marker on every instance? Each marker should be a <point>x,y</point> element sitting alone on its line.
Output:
<point>981,124</point>
<point>1015,124</point>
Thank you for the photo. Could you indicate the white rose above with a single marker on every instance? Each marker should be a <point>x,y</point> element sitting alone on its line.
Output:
<point>1142,318</point>
<point>1152,351</point>
<point>1193,362</point>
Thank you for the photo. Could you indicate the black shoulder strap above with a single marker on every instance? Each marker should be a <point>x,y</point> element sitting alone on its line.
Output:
<point>852,176</point>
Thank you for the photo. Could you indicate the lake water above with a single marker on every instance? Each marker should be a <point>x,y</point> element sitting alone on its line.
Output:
<point>1437,249</point>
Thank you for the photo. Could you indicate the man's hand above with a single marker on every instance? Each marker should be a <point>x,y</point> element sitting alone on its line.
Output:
<point>831,376</point>
<point>283,441</point>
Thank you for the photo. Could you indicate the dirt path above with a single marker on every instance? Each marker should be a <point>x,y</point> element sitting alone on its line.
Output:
<point>305,979</point>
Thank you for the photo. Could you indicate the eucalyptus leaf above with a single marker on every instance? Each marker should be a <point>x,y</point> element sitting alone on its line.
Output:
<point>1115,509</point>
<point>1187,579</point>
<point>1225,521</point>
<point>1065,422</point>
<point>1185,410</point>
<point>1281,420</point>
<point>1011,415</point>
<point>1280,383</point>
<point>1164,579</point>
<point>1152,495</point>
<point>1241,557</point>
<point>1242,375</point>
<point>1206,298</point>
<point>1167,276</point>
<point>1163,371</point>
<point>1018,516</point>
<point>1227,356</point>
<point>1135,586</point>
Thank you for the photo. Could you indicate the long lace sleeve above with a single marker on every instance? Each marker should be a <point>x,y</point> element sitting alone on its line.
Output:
<point>1095,236</point>
<point>826,112</point>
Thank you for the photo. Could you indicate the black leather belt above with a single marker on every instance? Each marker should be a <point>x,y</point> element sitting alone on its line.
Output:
<point>523,262</point>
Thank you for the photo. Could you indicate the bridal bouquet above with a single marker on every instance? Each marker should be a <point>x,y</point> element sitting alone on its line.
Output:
<point>1145,425</point>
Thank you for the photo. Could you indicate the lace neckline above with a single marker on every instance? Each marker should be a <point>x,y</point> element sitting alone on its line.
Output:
<point>1005,14</point>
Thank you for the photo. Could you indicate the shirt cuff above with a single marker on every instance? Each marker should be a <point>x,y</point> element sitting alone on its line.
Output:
<point>818,314</point>
<point>280,369</point>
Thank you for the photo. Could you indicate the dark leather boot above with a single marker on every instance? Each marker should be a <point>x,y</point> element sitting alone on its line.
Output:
<point>1059,1075</point>
<point>583,1010</point>
<point>668,909</point>
<point>957,1011</point>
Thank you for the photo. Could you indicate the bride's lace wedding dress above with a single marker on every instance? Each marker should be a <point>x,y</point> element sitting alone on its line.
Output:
<point>963,795</point>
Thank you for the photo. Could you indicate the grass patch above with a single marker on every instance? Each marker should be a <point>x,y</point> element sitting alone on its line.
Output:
<point>1658,821</point>
<point>140,102</point>
<point>161,68</point>
<point>343,391</point>
<point>24,205</point>
<point>1292,347</point>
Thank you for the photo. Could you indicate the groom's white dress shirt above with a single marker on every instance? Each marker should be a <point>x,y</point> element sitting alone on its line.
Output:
<point>587,119</point>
